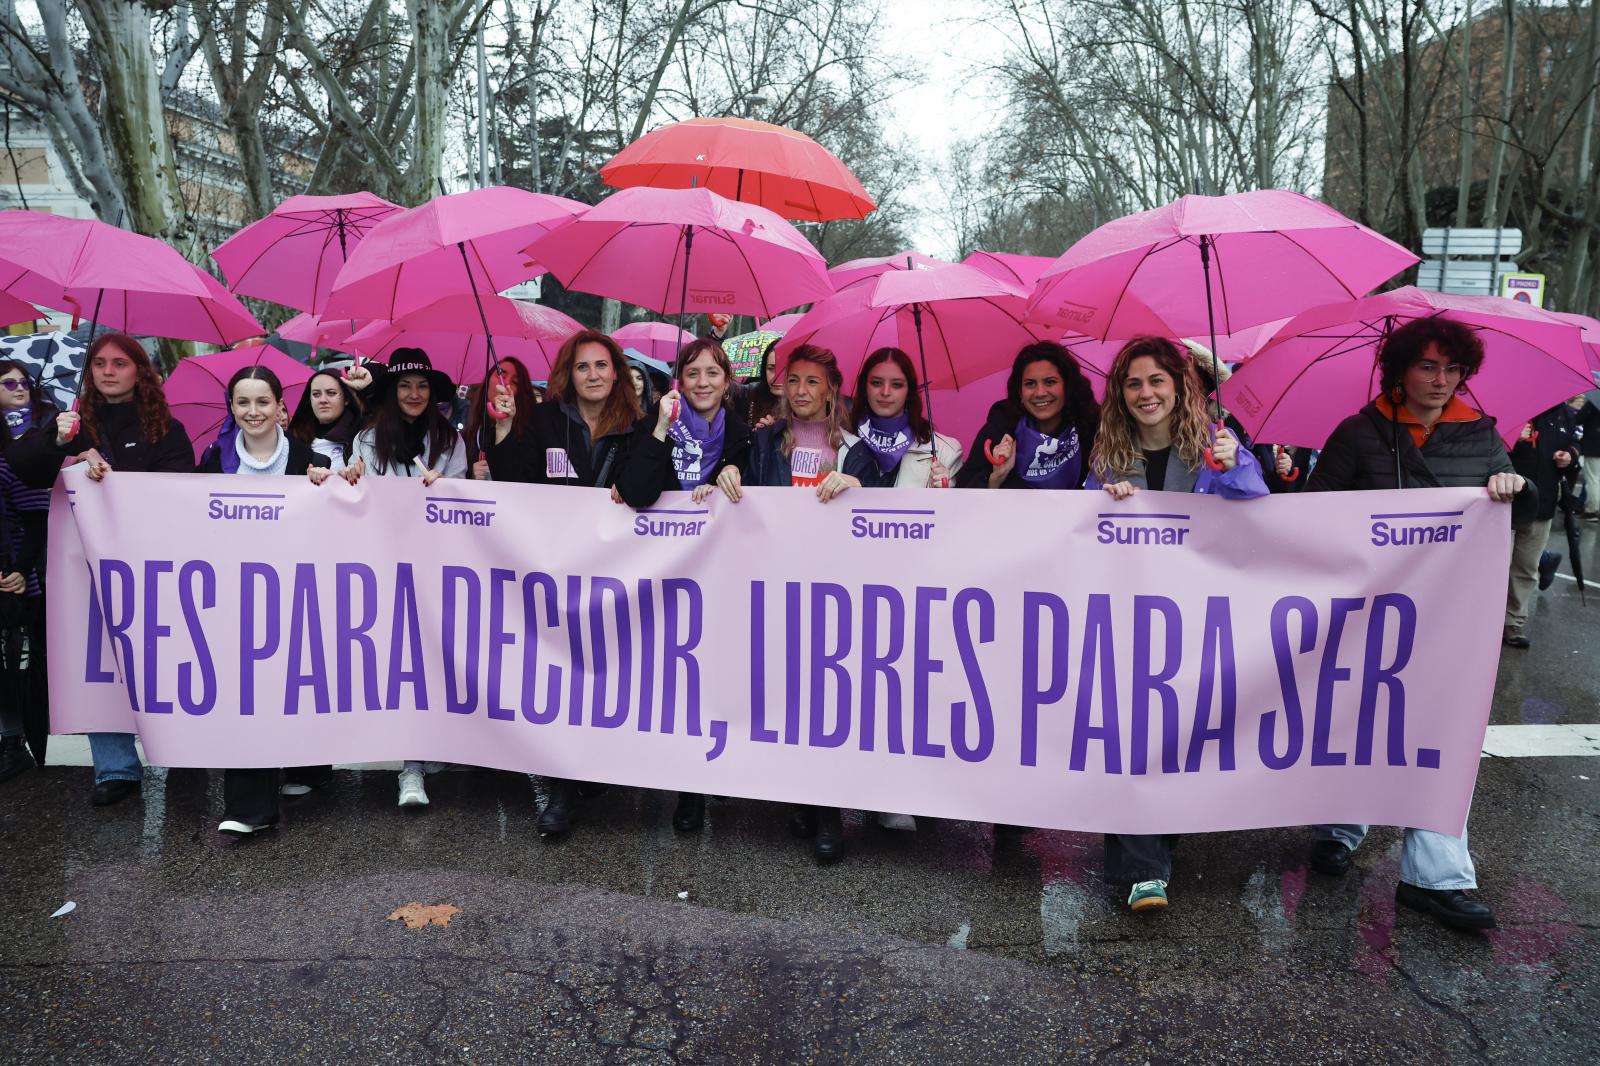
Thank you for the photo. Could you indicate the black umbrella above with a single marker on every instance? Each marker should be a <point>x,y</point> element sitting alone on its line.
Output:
<point>1571,520</point>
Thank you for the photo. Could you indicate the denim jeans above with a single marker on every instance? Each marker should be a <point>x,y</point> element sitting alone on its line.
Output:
<point>1427,859</point>
<point>1146,857</point>
<point>115,757</point>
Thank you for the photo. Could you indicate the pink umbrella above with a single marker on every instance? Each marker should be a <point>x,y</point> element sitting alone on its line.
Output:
<point>197,387</point>
<point>856,271</point>
<point>1322,366</point>
<point>1023,270</point>
<point>117,279</point>
<point>452,333</point>
<point>781,324</point>
<point>683,250</point>
<point>466,242</point>
<point>307,328</point>
<point>658,340</point>
<point>1208,265</point>
<point>1589,329</point>
<point>13,310</point>
<point>292,256</point>
<point>958,321</point>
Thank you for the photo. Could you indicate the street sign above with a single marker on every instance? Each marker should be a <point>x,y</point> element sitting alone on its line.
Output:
<point>1524,288</point>
<point>1464,277</point>
<point>1482,242</point>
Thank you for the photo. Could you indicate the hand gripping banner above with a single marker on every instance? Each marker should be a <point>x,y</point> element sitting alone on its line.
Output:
<point>1169,663</point>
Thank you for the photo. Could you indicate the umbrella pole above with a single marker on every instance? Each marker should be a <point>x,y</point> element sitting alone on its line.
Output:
<point>489,357</point>
<point>927,389</point>
<point>1211,326</point>
<point>683,289</point>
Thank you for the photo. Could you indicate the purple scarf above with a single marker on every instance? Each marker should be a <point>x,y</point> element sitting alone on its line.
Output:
<point>889,439</point>
<point>1045,462</point>
<point>696,445</point>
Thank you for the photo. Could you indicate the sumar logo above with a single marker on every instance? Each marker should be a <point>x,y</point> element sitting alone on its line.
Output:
<point>251,506</point>
<point>453,511</point>
<point>870,523</point>
<point>1414,528</point>
<point>712,297</point>
<point>662,522</point>
<point>1142,530</point>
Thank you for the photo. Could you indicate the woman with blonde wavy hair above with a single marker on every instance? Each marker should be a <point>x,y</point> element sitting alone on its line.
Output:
<point>1155,434</point>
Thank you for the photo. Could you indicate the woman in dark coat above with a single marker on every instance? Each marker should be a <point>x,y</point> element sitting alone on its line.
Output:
<point>1419,433</point>
<point>1049,415</point>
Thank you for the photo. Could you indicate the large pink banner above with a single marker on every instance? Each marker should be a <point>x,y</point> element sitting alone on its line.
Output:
<point>1170,663</point>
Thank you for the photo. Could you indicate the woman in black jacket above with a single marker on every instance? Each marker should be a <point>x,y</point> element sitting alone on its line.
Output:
<point>684,441</point>
<point>330,413</point>
<point>497,428</point>
<point>253,444</point>
<point>580,436</point>
<point>1419,434</point>
<point>1049,416</point>
<point>122,423</point>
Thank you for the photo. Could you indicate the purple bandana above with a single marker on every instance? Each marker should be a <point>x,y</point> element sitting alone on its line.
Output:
<point>1045,462</point>
<point>696,445</point>
<point>889,439</point>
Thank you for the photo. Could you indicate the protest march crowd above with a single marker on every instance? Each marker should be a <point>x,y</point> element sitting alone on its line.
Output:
<point>829,419</point>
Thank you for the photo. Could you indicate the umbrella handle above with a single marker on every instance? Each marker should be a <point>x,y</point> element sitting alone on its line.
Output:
<point>73,432</point>
<point>674,402</point>
<point>988,453</point>
<point>495,413</point>
<point>77,310</point>
<point>1294,471</point>
<point>1211,460</point>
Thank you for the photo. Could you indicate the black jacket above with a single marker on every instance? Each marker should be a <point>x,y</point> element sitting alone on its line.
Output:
<point>1535,460</point>
<point>595,463</point>
<point>514,459</point>
<point>974,473</point>
<point>301,457</point>
<point>648,471</point>
<point>1589,419</point>
<point>1361,455</point>
<point>37,459</point>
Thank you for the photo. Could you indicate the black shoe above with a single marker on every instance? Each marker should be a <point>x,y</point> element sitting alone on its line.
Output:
<point>1513,638</point>
<point>556,818</point>
<point>1012,832</point>
<point>14,758</point>
<point>803,822</point>
<point>691,812</point>
<point>1448,906</point>
<point>829,844</point>
<point>1549,562</point>
<point>591,789</point>
<point>108,792</point>
<point>1330,857</point>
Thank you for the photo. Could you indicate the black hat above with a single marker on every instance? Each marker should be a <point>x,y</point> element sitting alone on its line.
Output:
<point>415,361</point>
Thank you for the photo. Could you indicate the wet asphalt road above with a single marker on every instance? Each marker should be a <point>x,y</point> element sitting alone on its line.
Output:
<point>934,947</point>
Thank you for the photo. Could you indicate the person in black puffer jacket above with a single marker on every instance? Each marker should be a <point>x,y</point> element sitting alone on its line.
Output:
<point>1419,433</point>
<point>1546,454</point>
<point>1589,448</point>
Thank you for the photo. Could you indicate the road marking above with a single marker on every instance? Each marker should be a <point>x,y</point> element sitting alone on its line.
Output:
<point>1500,742</point>
<point>1569,577</point>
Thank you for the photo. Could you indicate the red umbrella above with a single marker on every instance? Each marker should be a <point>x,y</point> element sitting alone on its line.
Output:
<point>116,278</point>
<point>292,256</point>
<point>752,162</point>
<point>197,387</point>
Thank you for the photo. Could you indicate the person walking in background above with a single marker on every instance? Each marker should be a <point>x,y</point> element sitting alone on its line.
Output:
<point>1545,454</point>
<point>23,519</point>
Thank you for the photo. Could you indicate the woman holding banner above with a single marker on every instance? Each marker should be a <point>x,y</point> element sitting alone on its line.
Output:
<point>1419,433</point>
<point>804,448</point>
<point>329,413</point>
<point>689,436</point>
<point>897,447</point>
<point>1155,434</point>
<point>1037,436</point>
<point>122,414</point>
<point>581,437</point>
<point>252,444</point>
<point>408,437</point>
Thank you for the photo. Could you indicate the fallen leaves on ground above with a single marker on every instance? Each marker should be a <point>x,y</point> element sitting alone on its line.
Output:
<point>417,915</point>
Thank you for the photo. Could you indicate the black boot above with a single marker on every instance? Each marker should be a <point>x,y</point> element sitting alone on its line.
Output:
<point>556,818</point>
<point>691,812</point>
<point>803,822</point>
<point>1330,857</point>
<point>829,844</point>
<point>1549,563</point>
<point>14,758</point>
<point>1448,906</point>
<point>108,792</point>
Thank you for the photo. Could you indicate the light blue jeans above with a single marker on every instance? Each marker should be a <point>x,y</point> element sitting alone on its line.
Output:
<point>115,757</point>
<point>1427,859</point>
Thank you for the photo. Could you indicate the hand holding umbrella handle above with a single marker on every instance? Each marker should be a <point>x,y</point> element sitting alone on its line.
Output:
<point>988,453</point>
<point>1294,471</point>
<point>494,411</point>
<point>1211,460</point>
<point>72,430</point>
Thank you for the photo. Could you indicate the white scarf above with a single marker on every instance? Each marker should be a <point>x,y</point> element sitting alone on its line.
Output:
<point>277,463</point>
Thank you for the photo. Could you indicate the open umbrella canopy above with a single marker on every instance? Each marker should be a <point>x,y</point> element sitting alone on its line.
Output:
<point>680,251</point>
<point>1322,366</point>
<point>464,242</point>
<point>1205,264</point>
<point>1023,270</point>
<point>307,328</point>
<point>53,360</point>
<point>13,310</point>
<point>774,167</point>
<point>856,271</point>
<point>292,256</point>
<point>1589,330</point>
<point>117,279</point>
<point>782,323</point>
<point>451,332</point>
<point>659,340</point>
<point>956,322</point>
<point>197,387</point>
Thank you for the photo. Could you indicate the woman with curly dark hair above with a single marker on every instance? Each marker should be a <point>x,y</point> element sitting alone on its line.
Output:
<point>1039,436</point>
<point>122,424</point>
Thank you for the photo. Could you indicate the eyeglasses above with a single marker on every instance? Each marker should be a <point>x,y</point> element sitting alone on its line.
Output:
<point>1431,369</point>
<point>14,385</point>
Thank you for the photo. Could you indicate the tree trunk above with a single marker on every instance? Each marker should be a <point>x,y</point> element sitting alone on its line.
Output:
<point>430,87</point>
<point>1492,212</point>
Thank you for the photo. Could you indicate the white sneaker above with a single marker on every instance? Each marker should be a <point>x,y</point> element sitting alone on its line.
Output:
<point>241,828</point>
<point>412,794</point>
<point>897,821</point>
<point>294,788</point>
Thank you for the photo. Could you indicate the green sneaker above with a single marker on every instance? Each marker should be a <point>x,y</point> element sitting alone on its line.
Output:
<point>1148,896</point>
